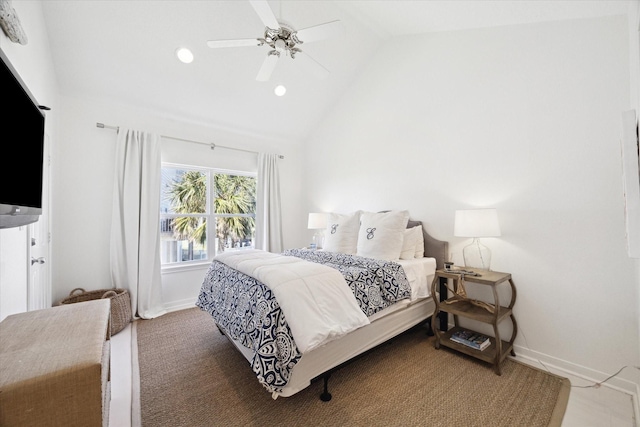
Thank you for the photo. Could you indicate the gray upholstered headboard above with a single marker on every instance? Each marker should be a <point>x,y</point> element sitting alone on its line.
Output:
<point>433,247</point>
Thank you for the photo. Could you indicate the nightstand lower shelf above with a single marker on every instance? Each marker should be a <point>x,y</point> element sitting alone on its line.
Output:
<point>487,355</point>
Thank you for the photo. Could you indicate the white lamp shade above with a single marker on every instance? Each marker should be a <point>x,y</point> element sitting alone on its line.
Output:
<point>317,221</point>
<point>476,223</point>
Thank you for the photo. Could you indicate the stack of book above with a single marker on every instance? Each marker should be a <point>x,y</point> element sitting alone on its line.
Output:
<point>471,339</point>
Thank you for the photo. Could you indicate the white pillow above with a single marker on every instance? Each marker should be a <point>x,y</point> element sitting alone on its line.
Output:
<point>381,234</point>
<point>341,234</point>
<point>419,243</point>
<point>410,242</point>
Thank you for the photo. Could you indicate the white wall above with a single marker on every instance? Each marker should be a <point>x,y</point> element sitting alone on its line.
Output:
<point>634,52</point>
<point>34,64</point>
<point>83,190</point>
<point>525,119</point>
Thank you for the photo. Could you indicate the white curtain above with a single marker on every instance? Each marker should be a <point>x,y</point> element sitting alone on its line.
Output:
<point>135,232</point>
<point>268,215</point>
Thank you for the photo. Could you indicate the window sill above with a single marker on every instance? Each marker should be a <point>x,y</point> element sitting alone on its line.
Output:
<point>185,267</point>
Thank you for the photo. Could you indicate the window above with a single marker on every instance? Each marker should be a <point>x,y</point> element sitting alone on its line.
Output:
<point>204,212</point>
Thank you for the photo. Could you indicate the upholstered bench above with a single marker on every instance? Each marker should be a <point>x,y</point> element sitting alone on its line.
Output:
<point>54,366</point>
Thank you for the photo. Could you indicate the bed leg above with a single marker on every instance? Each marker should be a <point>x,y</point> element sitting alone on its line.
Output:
<point>428,326</point>
<point>326,396</point>
<point>443,316</point>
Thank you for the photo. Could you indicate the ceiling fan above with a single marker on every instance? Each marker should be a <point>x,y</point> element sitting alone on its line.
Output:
<point>282,39</point>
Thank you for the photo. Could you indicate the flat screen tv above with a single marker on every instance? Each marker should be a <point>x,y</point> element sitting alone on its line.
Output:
<point>22,141</point>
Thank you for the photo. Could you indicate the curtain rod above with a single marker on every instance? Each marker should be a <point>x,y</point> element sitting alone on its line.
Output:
<point>210,144</point>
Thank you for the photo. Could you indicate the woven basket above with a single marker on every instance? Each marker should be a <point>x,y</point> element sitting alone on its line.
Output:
<point>120,304</point>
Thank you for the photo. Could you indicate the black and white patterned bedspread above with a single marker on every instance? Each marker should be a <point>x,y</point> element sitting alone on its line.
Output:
<point>376,284</point>
<point>247,311</point>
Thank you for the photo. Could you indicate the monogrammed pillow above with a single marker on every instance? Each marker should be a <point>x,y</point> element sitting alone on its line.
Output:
<point>381,234</point>
<point>341,234</point>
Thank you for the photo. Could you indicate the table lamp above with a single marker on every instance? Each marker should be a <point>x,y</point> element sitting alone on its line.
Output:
<point>318,222</point>
<point>476,223</point>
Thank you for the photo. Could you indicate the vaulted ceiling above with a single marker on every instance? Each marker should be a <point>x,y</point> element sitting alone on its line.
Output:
<point>125,51</point>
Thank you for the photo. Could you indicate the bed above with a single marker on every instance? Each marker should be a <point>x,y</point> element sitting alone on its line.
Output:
<point>242,291</point>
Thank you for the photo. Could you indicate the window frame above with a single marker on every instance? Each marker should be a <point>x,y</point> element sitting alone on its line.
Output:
<point>209,215</point>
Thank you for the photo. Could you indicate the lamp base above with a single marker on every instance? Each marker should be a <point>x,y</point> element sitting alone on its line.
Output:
<point>476,255</point>
<point>318,239</point>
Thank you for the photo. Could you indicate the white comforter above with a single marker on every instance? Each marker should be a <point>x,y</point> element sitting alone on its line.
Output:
<point>315,299</point>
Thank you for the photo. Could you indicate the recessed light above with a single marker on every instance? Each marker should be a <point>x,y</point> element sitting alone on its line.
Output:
<point>184,55</point>
<point>280,90</point>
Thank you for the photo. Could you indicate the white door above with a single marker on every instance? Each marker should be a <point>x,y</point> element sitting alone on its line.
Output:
<point>39,282</point>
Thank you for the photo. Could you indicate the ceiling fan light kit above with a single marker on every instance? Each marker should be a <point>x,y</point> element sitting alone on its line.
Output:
<point>282,38</point>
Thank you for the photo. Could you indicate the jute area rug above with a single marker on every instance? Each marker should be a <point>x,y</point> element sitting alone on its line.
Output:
<point>191,375</point>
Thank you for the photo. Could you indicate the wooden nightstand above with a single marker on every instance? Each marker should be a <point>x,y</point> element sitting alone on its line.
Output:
<point>458,305</point>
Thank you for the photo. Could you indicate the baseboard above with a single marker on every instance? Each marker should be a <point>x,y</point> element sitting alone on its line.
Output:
<point>590,375</point>
<point>559,367</point>
<point>180,305</point>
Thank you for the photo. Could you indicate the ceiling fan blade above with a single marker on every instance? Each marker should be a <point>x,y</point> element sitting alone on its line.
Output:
<point>312,65</point>
<point>265,13</point>
<point>233,43</point>
<point>320,32</point>
<point>267,68</point>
